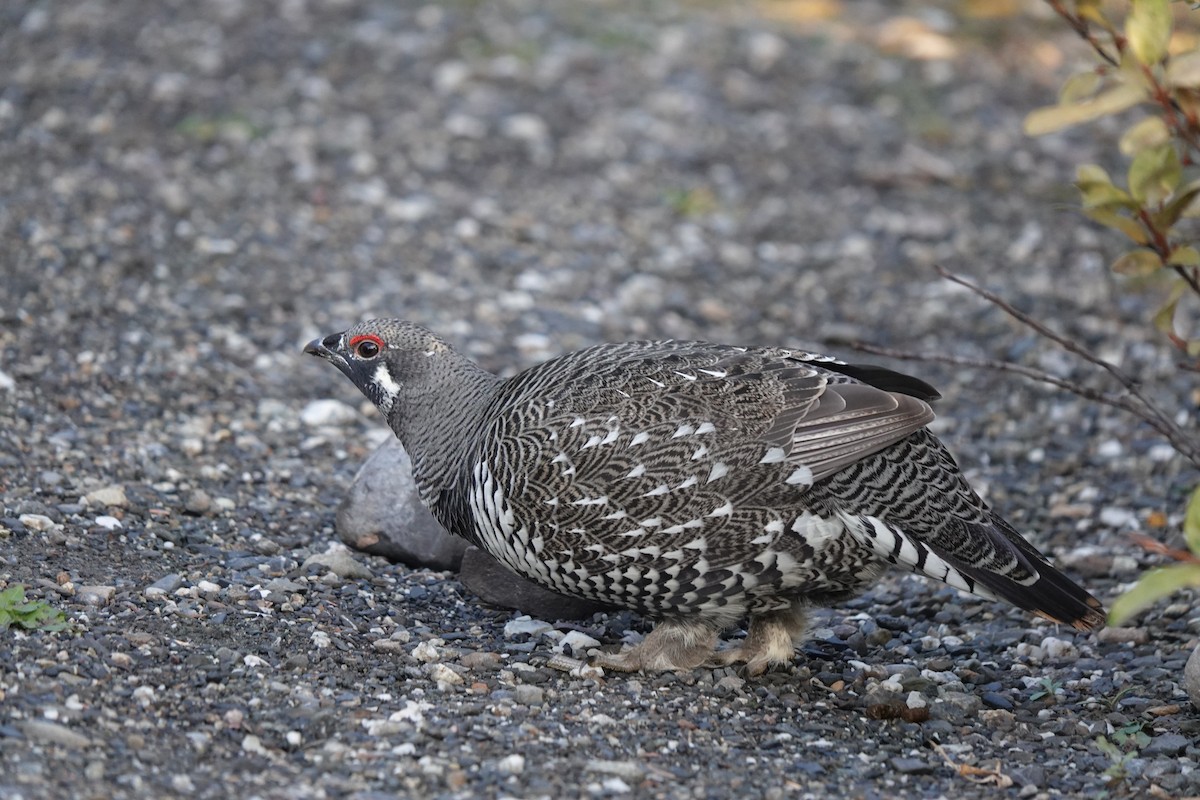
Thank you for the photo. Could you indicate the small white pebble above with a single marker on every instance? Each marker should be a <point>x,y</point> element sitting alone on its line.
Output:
<point>207,587</point>
<point>513,764</point>
<point>916,700</point>
<point>36,522</point>
<point>1115,517</point>
<point>427,651</point>
<point>1161,452</point>
<point>144,696</point>
<point>1109,449</point>
<point>108,523</point>
<point>294,738</point>
<point>1059,648</point>
<point>524,624</point>
<point>320,639</point>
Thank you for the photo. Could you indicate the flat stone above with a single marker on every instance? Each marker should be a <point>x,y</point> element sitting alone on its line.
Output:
<point>53,733</point>
<point>528,695</point>
<point>1123,635</point>
<point>1168,744</point>
<point>95,595</point>
<point>911,766</point>
<point>326,413</point>
<point>112,496</point>
<point>383,515</point>
<point>166,584</point>
<point>496,585</point>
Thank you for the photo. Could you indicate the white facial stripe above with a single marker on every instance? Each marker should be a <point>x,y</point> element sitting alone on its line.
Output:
<point>388,388</point>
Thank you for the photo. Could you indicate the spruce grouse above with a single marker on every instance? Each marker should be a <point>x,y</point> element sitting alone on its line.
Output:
<point>696,483</point>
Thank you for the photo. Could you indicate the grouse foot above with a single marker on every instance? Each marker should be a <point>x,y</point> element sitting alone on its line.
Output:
<point>771,640</point>
<point>674,644</point>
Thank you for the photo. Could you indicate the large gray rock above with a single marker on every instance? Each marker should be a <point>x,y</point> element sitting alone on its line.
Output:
<point>495,584</point>
<point>1191,677</point>
<point>383,514</point>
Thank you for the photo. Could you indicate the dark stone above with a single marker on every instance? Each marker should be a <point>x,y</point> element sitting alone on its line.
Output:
<point>497,585</point>
<point>996,700</point>
<point>383,515</point>
<point>1168,744</point>
<point>911,766</point>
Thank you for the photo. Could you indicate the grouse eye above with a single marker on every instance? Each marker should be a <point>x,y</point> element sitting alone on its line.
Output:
<point>366,347</point>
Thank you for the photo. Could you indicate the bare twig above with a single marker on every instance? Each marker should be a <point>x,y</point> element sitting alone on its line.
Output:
<point>1132,399</point>
<point>1081,27</point>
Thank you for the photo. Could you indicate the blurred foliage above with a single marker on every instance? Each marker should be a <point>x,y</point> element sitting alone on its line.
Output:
<point>28,614</point>
<point>1143,62</point>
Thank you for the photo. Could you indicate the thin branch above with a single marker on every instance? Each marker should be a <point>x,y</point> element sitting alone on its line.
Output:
<point>1178,438</point>
<point>1162,421</point>
<point>1134,400</point>
<point>1080,26</point>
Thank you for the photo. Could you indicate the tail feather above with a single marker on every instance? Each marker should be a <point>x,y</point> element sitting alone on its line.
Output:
<point>1044,590</point>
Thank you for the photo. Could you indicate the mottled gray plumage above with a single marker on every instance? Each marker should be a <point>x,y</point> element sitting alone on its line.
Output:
<point>696,483</point>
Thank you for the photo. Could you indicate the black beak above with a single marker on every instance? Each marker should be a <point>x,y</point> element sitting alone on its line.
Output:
<point>325,348</point>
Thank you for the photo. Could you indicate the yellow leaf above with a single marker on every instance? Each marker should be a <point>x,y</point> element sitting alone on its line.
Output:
<point>1150,132</point>
<point>1184,256</point>
<point>1184,70</point>
<point>1077,87</point>
<point>1055,118</point>
<point>1115,221</point>
<point>1148,28</point>
<point>1091,11</point>
<point>1137,263</point>
<point>1091,173</point>
<point>1152,587</point>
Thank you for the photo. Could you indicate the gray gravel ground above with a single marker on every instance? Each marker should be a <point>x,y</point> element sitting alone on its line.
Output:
<point>189,191</point>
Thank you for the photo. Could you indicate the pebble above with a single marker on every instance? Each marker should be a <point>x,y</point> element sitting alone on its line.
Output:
<point>1115,635</point>
<point>996,700</point>
<point>36,522</point>
<point>108,523</point>
<point>164,585</point>
<point>111,496</point>
<point>529,695</point>
<point>525,625</point>
<point>1167,744</point>
<point>338,560</point>
<point>511,764</point>
<point>329,413</point>
<point>54,733</point>
<point>95,595</point>
<point>911,766</point>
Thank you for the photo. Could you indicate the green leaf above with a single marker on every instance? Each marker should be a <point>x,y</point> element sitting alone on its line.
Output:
<point>1148,29</point>
<point>1191,522</point>
<point>1152,587</point>
<point>1054,118</point>
<point>1179,204</point>
<point>1154,175</point>
<point>1184,70</point>
<point>1137,263</point>
<point>1115,221</point>
<point>1164,317</point>
<point>12,595</point>
<point>1078,87</point>
<point>1150,132</point>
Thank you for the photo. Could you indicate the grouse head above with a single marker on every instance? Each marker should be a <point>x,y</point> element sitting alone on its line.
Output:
<point>386,359</point>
